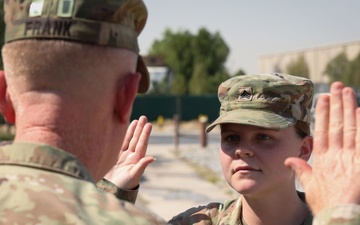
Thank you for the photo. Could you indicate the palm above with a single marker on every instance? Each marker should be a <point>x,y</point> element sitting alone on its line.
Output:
<point>132,162</point>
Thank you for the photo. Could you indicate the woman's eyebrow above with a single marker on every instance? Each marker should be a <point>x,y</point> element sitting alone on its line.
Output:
<point>268,129</point>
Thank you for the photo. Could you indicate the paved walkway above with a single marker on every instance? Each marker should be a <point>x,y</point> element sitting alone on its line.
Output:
<point>171,185</point>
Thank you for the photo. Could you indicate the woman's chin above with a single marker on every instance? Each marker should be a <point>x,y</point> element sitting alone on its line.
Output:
<point>245,187</point>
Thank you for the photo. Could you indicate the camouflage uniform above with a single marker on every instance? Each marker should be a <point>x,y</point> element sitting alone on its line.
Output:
<point>228,213</point>
<point>219,214</point>
<point>126,195</point>
<point>51,186</point>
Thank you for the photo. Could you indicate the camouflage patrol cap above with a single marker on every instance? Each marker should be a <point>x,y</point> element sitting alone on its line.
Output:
<point>266,100</point>
<point>115,23</point>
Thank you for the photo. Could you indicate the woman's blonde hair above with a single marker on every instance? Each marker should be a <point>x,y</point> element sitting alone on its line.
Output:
<point>302,128</point>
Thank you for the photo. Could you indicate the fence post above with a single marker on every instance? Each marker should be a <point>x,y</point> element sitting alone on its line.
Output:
<point>176,131</point>
<point>203,119</point>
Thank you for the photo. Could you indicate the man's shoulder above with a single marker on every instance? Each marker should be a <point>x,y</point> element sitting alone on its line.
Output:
<point>54,190</point>
<point>41,196</point>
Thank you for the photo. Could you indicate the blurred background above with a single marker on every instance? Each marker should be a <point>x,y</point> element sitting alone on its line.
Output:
<point>253,30</point>
<point>191,47</point>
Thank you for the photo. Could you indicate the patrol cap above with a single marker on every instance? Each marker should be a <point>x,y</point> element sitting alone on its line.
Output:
<point>115,23</point>
<point>273,100</point>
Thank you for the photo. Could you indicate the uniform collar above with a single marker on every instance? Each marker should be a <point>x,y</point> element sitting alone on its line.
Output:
<point>43,157</point>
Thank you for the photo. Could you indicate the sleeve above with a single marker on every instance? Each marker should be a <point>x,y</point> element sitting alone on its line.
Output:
<point>339,215</point>
<point>122,194</point>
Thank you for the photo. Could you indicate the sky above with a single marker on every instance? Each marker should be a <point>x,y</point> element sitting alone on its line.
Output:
<point>254,28</point>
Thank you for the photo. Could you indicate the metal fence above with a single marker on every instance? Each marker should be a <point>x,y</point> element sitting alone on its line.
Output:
<point>186,107</point>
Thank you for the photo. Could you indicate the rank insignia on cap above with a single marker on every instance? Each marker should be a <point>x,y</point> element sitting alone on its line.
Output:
<point>245,94</point>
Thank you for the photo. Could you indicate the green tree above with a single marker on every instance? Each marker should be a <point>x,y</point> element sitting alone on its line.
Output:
<point>183,52</point>
<point>178,86</point>
<point>298,67</point>
<point>198,83</point>
<point>174,48</point>
<point>216,80</point>
<point>240,72</point>
<point>158,87</point>
<point>337,68</point>
<point>210,50</point>
<point>352,75</point>
<point>340,68</point>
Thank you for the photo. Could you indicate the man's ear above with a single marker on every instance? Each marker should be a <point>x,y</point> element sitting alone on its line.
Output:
<point>306,148</point>
<point>6,106</point>
<point>125,96</point>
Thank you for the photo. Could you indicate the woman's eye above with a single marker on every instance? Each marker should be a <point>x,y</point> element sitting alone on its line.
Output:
<point>232,138</point>
<point>263,137</point>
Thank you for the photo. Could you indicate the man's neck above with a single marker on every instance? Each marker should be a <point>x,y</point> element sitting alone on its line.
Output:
<point>53,125</point>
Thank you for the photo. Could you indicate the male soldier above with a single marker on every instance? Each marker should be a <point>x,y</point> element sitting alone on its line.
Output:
<point>72,71</point>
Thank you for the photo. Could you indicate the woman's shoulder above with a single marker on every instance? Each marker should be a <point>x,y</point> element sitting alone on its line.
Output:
<point>208,214</point>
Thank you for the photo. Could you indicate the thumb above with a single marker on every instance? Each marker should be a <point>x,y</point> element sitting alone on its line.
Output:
<point>302,169</point>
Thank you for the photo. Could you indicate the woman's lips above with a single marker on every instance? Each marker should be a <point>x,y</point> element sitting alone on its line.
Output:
<point>245,169</point>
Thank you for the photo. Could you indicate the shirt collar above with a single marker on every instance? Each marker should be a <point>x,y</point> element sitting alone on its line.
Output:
<point>43,157</point>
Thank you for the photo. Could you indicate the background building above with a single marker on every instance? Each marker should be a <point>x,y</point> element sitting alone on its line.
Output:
<point>316,58</point>
<point>160,73</point>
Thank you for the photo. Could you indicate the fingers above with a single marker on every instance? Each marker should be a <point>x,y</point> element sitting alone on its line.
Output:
<point>137,133</point>
<point>350,104</point>
<point>321,124</point>
<point>337,117</point>
<point>336,123</point>
<point>301,168</point>
<point>143,142</point>
<point>129,134</point>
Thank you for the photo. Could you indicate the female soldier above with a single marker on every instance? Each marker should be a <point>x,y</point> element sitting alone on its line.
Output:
<point>264,119</point>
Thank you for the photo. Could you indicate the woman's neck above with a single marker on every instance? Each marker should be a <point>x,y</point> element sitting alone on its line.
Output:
<point>274,209</point>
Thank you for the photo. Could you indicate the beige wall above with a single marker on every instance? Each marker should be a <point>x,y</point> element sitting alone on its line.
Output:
<point>316,58</point>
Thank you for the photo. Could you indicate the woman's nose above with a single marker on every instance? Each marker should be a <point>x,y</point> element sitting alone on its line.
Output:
<point>242,152</point>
